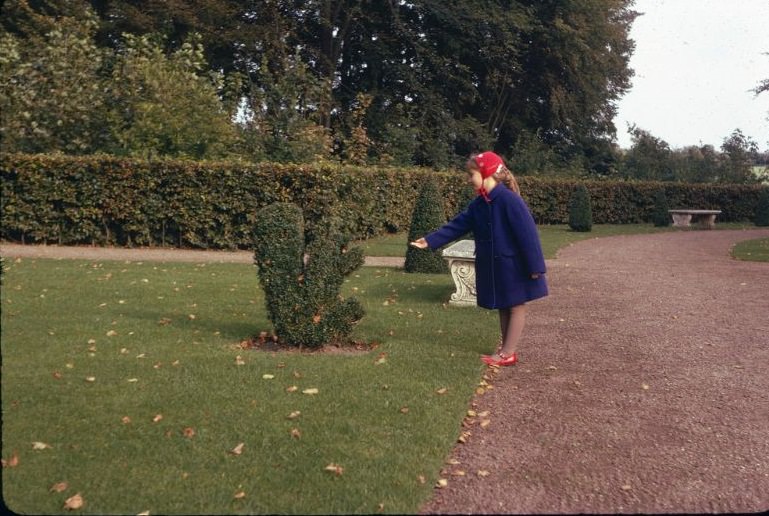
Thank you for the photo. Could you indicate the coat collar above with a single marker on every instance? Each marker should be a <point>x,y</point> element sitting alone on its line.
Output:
<point>496,191</point>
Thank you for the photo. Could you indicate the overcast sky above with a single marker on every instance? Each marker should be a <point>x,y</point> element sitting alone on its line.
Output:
<point>695,63</point>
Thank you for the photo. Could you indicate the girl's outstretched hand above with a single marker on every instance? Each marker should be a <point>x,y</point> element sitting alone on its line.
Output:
<point>420,244</point>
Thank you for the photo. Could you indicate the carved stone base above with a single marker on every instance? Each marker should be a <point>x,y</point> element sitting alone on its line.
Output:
<point>461,258</point>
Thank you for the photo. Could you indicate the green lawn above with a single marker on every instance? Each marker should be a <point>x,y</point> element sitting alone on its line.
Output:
<point>752,250</point>
<point>553,237</point>
<point>186,371</point>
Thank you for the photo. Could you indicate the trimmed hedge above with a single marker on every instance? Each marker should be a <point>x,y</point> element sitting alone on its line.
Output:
<point>114,201</point>
<point>580,211</point>
<point>428,216</point>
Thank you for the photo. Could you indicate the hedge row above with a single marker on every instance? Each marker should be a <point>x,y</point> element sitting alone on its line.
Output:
<point>107,200</point>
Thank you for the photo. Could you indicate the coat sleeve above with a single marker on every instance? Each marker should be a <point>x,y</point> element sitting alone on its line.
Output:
<point>453,229</point>
<point>526,235</point>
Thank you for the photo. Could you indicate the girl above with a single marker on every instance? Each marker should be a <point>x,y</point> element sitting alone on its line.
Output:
<point>509,266</point>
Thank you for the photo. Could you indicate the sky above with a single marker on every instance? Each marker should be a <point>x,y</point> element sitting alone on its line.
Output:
<point>695,63</point>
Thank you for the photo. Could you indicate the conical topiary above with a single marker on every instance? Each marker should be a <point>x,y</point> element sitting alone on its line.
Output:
<point>660,215</point>
<point>301,282</point>
<point>762,209</point>
<point>580,211</point>
<point>428,216</point>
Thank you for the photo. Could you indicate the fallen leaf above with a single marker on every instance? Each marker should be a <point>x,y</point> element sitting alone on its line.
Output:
<point>295,414</point>
<point>381,359</point>
<point>59,487</point>
<point>483,473</point>
<point>458,473</point>
<point>442,482</point>
<point>237,450</point>
<point>297,374</point>
<point>12,462</point>
<point>188,432</point>
<point>292,388</point>
<point>133,380</point>
<point>485,413</point>
<point>404,410</point>
<point>480,390</point>
<point>471,413</point>
<point>268,376</point>
<point>74,502</point>
<point>645,386</point>
<point>57,375</point>
<point>310,391</point>
<point>91,341</point>
<point>380,507</point>
<point>157,418</point>
<point>315,319</point>
<point>336,469</point>
<point>453,462</point>
<point>90,378</point>
<point>552,368</point>
<point>164,321</point>
<point>442,390</point>
<point>239,360</point>
<point>126,420</point>
<point>191,317</point>
<point>175,363</point>
<point>111,333</point>
<point>141,355</point>
<point>239,495</point>
<point>123,351</point>
<point>69,365</point>
<point>485,423</point>
<point>295,433</point>
<point>144,513</point>
<point>421,479</point>
<point>627,487</point>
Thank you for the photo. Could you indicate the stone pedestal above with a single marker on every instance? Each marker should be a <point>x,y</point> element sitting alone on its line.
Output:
<point>461,258</point>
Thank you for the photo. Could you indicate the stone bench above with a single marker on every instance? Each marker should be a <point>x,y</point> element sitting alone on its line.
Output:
<point>705,218</point>
<point>461,258</point>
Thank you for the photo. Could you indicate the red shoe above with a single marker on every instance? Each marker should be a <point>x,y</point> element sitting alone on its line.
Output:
<point>505,360</point>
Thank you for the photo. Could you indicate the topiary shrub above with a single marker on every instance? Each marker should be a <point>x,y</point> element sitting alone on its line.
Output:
<point>660,215</point>
<point>762,209</point>
<point>428,215</point>
<point>301,282</point>
<point>580,211</point>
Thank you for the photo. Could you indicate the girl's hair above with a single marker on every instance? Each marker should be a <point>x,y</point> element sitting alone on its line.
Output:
<point>508,179</point>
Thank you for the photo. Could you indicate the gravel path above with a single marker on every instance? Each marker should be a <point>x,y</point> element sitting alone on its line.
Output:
<point>643,387</point>
<point>150,254</point>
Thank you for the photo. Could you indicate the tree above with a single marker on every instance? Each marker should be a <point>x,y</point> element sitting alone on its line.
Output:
<point>166,105</point>
<point>302,295</point>
<point>649,157</point>
<point>740,152</point>
<point>428,215</point>
<point>580,210</point>
<point>51,89</point>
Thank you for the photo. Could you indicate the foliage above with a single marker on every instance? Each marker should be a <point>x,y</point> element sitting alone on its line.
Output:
<point>302,295</point>
<point>163,105</point>
<point>428,215</point>
<point>762,209</point>
<point>116,201</point>
<point>580,211</point>
<point>651,158</point>
<point>660,216</point>
<point>440,80</point>
<point>51,90</point>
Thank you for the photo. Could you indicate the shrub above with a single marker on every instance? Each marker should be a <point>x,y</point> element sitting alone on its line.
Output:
<point>428,215</point>
<point>762,209</point>
<point>660,216</point>
<point>580,211</point>
<point>302,294</point>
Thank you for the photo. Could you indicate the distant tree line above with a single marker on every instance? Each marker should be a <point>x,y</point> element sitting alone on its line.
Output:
<point>420,82</point>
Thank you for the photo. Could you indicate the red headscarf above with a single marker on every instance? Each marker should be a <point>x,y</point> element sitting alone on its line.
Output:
<point>489,163</point>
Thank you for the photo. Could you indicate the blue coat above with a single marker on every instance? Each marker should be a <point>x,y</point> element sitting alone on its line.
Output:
<point>507,248</point>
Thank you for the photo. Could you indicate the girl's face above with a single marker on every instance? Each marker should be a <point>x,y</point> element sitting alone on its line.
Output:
<point>474,175</point>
